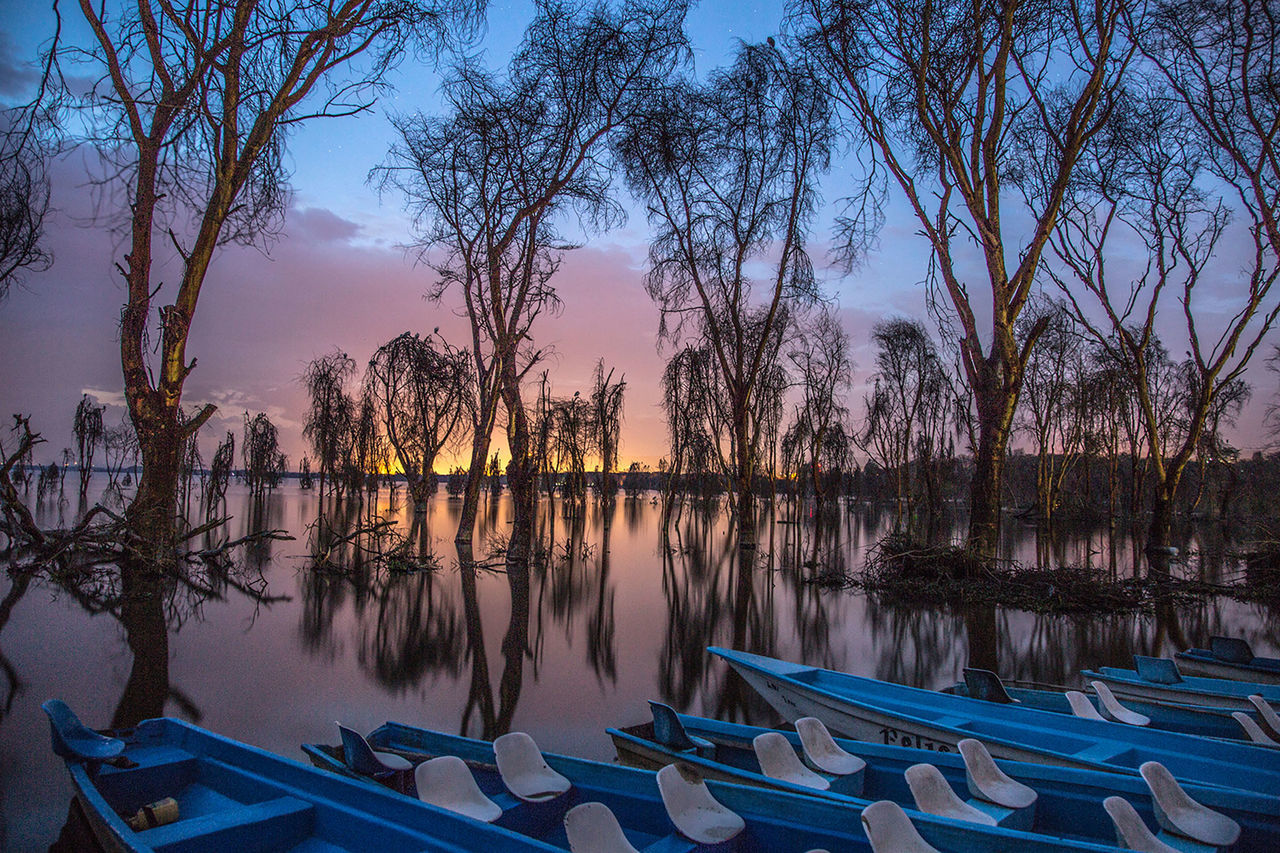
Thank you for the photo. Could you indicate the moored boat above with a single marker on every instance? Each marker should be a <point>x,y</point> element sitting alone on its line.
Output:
<point>1161,680</point>
<point>868,709</point>
<point>1229,657</point>
<point>1203,720</point>
<point>168,786</point>
<point>1068,802</point>
<point>773,820</point>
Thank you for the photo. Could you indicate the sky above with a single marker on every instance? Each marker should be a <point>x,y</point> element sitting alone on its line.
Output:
<point>341,277</point>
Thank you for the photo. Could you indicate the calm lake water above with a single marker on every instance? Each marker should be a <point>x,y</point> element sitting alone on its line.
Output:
<point>608,620</point>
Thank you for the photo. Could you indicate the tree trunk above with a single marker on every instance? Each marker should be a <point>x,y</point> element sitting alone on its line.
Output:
<point>994,418</point>
<point>744,486</point>
<point>521,472</point>
<point>153,512</point>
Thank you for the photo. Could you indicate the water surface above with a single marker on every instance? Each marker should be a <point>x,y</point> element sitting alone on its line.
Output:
<point>605,620</point>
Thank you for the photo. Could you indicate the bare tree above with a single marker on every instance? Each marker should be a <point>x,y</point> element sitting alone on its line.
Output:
<point>215,494</point>
<point>824,372</point>
<point>729,171</point>
<point>908,410</point>
<point>332,414</point>
<point>88,430</point>
<point>1144,186</point>
<point>1219,60</point>
<point>119,443</point>
<point>960,101</point>
<point>424,391</point>
<point>27,141</point>
<point>1054,406</point>
<point>190,114</point>
<point>264,464</point>
<point>491,182</point>
<point>606,423</point>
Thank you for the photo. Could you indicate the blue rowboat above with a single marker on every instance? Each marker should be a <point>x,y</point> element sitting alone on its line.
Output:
<point>1069,802</point>
<point>220,795</point>
<point>872,710</point>
<point>775,821</point>
<point>1229,657</point>
<point>1160,680</point>
<point>1202,720</point>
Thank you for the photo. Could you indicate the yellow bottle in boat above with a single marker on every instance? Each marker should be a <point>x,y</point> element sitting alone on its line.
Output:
<point>154,814</point>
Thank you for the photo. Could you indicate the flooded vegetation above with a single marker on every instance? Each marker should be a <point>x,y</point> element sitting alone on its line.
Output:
<point>376,614</point>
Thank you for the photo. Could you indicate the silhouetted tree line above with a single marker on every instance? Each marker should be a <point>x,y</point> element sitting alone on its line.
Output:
<point>1061,141</point>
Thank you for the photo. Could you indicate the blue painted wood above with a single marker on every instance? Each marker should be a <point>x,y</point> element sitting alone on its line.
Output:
<point>234,797</point>
<point>877,710</point>
<point>1069,802</point>
<point>777,821</point>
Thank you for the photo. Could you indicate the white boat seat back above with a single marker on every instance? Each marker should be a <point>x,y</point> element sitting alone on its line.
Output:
<point>1131,832</point>
<point>934,795</point>
<point>1112,709</point>
<point>822,751</point>
<point>1181,815</point>
<point>1082,707</point>
<point>446,781</point>
<point>779,761</point>
<point>593,828</point>
<point>523,769</point>
<point>1253,730</point>
<point>696,814</point>
<point>891,831</point>
<point>988,782</point>
<point>1268,714</point>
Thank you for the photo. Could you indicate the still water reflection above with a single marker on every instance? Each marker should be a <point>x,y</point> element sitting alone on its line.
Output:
<point>301,633</point>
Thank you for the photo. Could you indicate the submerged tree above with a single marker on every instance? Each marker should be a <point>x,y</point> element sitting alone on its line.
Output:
<point>264,464</point>
<point>491,182</point>
<point>224,457</point>
<point>962,103</point>
<point>332,413</point>
<point>728,171</point>
<point>189,114</point>
<point>909,410</point>
<point>606,423</point>
<point>424,390</point>
<point>88,430</point>
<point>817,436</point>
<point>1145,187</point>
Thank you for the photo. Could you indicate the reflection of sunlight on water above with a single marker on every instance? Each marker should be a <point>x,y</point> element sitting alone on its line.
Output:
<point>607,617</point>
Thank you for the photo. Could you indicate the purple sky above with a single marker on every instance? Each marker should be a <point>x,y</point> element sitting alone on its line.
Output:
<point>339,277</point>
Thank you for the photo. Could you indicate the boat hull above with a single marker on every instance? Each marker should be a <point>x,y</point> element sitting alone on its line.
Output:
<point>1204,667</point>
<point>777,820</point>
<point>1069,802</point>
<point>1199,692</point>
<point>882,712</point>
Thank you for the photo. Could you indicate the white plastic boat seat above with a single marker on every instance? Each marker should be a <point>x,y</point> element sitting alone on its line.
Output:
<point>932,794</point>
<point>823,753</point>
<point>891,831</point>
<point>1266,714</point>
<point>524,771</point>
<point>240,828</point>
<point>1131,832</point>
<point>696,814</point>
<point>593,828</point>
<point>446,781</point>
<point>1253,730</point>
<point>1082,707</point>
<point>1181,815</point>
<point>779,761</point>
<point>988,782</point>
<point>1113,710</point>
